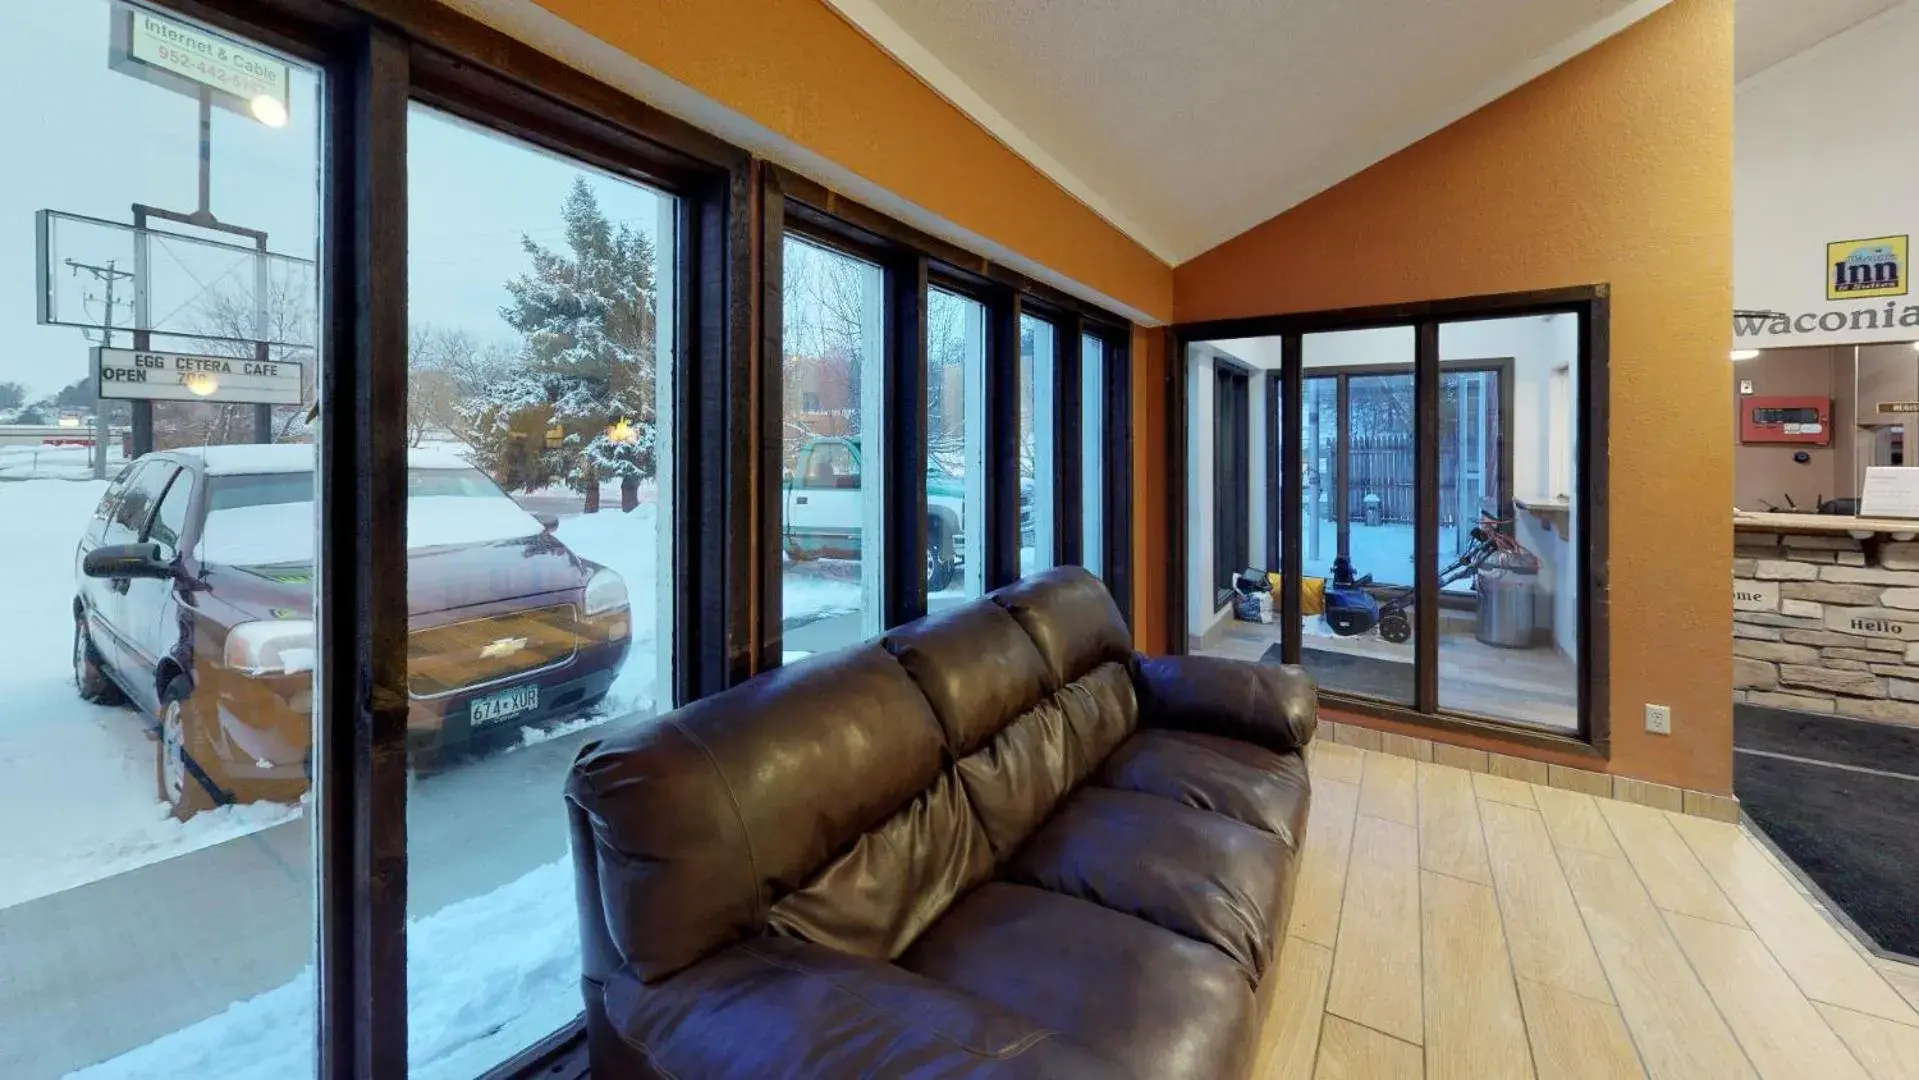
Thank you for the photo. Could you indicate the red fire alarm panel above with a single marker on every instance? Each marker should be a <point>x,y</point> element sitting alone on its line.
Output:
<point>1805,420</point>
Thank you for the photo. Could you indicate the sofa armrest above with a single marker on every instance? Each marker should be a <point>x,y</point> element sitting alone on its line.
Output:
<point>783,1007</point>
<point>1269,705</point>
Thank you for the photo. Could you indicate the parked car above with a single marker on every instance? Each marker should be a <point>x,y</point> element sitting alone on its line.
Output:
<point>824,510</point>
<point>194,603</point>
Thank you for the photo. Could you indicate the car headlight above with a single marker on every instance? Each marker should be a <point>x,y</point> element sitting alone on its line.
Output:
<point>276,647</point>
<point>605,591</point>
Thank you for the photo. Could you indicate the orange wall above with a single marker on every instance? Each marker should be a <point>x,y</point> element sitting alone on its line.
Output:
<point>797,68</point>
<point>1149,490</point>
<point>1614,168</point>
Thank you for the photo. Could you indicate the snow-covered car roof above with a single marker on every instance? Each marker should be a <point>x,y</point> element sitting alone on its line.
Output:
<point>298,457</point>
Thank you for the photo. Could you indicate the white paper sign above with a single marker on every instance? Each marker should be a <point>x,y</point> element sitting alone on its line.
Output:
<point>207,59</point>
<point>1890,492</point>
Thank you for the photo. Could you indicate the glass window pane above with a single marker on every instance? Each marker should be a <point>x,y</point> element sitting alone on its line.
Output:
<point>831,450</point>
<point>539,537</point>
<point>1358,606</point>
<point>1509,523</point>
<point>955,446</point>
<point>1037,416</point>
<point>156,881</point>
<point>1092,453</point>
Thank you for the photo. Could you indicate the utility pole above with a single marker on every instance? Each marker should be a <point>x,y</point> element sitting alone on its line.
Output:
<point>110,275</point>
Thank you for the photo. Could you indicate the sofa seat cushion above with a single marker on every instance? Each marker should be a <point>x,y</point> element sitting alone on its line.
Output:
<point>775,1007</point>
<point>1169,1007</point>
<point>1190,871</point>
<point>1244,782</point>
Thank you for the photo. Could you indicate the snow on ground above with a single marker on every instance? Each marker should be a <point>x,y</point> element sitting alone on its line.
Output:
<point>53,462</point>
<point>815,589</point>
<point>628,544</point>
<point>534,736</point>
<point>82,773</point>
<point>486,977</point>
<point>1384,551</point>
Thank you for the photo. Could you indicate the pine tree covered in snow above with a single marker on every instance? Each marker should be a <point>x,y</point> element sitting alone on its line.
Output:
<point>581,406</point>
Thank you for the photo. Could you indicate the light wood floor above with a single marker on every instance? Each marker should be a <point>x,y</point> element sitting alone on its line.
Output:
<point>1538,687</point>
<point>1449,924</point>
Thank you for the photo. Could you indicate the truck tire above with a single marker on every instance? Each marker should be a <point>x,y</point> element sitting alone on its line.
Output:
<point>940,569</point>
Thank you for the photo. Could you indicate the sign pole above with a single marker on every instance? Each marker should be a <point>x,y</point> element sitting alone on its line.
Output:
<point>142,336</point>
<point>262,414</point>
<point>102,426</point>
<point>206,155</point>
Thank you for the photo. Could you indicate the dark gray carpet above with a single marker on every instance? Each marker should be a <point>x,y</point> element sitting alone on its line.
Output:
<point>1855,834</point>
<point>1363,676</point>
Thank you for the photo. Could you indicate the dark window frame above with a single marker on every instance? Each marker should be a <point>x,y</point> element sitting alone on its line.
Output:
<point>378,56</point>
<point>915,262</point>
<point>1591,306</point>
<point>1116,494</point>
<point>1232,472</point>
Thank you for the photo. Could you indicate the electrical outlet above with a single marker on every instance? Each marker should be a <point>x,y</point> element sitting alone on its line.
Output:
<point>1659,719</point>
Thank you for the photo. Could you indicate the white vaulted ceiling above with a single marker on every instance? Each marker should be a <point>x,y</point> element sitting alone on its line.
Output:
<point>1186,122</point>
<point>1770,31</point>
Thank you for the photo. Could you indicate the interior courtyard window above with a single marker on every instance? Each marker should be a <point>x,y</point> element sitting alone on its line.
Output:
<point>156,886</point>
<point>832,497</point>
<point>955,447</point>
<point>1037,446</point>
<point>539,406</point>
<point>1092,453</point>
<point>1497,516</point>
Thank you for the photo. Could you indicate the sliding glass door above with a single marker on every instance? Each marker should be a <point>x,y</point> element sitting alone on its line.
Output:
<point>1355,621</point>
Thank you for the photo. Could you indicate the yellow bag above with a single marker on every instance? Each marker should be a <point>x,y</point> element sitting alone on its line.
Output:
<point>1312,593</point>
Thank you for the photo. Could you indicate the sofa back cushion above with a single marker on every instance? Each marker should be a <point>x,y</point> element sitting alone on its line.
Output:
<point>815,800</point>
<point>1032,688</point>
<point>1072,620</point>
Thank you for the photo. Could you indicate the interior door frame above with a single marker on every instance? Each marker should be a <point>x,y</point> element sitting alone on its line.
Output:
<point>1591,306</point>
<point>1232,496</point>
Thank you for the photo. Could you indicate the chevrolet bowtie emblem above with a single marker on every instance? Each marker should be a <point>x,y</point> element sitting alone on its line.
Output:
<point>506,646</point>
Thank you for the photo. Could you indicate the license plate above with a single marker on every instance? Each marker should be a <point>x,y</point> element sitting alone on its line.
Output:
<point>497,707</point>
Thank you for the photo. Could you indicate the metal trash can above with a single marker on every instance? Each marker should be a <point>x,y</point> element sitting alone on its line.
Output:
<point>1506,616</point>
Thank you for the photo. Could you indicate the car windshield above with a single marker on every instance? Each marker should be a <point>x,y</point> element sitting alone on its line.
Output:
<point>262,519</point>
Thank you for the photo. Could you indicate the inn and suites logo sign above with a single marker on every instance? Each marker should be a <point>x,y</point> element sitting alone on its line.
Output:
<point>1866,269</point>
<point>1866,277</point>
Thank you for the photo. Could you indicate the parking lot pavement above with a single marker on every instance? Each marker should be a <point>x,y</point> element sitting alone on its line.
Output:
<point>94,971</point>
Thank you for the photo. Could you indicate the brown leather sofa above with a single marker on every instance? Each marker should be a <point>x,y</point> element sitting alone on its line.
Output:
<point>993,843</point>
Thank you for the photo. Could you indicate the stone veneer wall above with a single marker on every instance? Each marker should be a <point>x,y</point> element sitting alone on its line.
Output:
<point>1826,623</point>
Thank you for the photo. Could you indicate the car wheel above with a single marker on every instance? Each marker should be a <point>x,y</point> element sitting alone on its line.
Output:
<point>185,760</point>
<point>88,677</point>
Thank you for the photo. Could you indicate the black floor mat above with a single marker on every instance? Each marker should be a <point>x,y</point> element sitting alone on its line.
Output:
<point>1855,834</point>
<point>1346,673</point>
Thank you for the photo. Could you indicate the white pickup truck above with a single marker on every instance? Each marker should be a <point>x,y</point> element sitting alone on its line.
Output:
<point>823,510</point>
